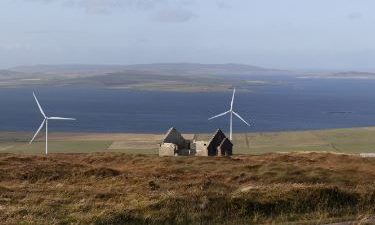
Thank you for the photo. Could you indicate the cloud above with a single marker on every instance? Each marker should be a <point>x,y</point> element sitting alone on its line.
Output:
<point>54,31</point>
<point>354,15</point>
<point>108,6</point>
<point>15,46</point>
<point>174,16</point>
<point>95,6</point>
<point>223,5</point>
<point>166,11</point>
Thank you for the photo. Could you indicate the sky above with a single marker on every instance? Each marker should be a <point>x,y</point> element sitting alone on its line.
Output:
<point>284,34</point>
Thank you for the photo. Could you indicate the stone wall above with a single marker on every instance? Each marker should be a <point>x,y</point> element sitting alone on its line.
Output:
<point>225,148</point>
<point>173,136</point>
<point>167,149</point>
<point>215,142</point>
<point>201,148</point>
<point>186,152</point>
<point>174,144</point>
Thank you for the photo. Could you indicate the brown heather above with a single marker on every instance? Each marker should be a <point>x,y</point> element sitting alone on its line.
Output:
<point>110,188</point>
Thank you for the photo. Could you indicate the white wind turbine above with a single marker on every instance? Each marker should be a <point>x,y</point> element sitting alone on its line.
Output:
<point>45,121</point>
<point>231,112</point>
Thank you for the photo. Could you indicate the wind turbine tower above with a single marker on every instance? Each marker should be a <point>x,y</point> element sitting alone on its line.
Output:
<point>45,122</point>
<point>231,112</point>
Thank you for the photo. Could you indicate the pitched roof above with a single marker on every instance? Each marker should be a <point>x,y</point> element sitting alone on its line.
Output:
<point>226,140</point>
<point>218,133</point>
<point>169,132</point>
<point>208,137</point>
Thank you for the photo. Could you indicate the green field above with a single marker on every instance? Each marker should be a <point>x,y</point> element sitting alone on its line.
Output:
<point>353,140</point>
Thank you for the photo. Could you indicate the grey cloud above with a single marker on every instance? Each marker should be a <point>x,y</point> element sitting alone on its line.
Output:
<point>14,46</point>
<point>41,1</point>
<point>54,31</point>
<point>108,6</point>
<point>223,5</point>
<point>174,16</point>
<point>355,15</point>
<point>94,6</point>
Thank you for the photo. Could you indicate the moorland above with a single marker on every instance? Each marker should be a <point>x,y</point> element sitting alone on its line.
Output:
<point>118,188</point>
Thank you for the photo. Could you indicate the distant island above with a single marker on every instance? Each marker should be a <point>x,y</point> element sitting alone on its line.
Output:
<point>188,77</point>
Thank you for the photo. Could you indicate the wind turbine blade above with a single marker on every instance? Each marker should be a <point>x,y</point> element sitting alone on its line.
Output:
<point>60,118</point>
<point>40,107</point>
<point>241,118</point>
<point>37,132</point>
<point>221,114</point>
<point>231,104</point>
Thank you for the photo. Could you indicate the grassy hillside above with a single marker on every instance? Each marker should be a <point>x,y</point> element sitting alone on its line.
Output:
<point>354,140</point>
<point>138,187</point>
<point>108,188</point>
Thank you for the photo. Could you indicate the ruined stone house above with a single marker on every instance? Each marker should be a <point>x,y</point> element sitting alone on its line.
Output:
<point>174,144</point>
<point>218,145</point>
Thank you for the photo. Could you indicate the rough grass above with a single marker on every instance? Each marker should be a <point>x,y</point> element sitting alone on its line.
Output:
<point>354,140</point>
<point>66,146</point>
<point>114,188</point>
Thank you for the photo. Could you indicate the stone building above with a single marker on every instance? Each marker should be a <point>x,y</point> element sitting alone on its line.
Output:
<point>218,145</point>
<point>174,144</point>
